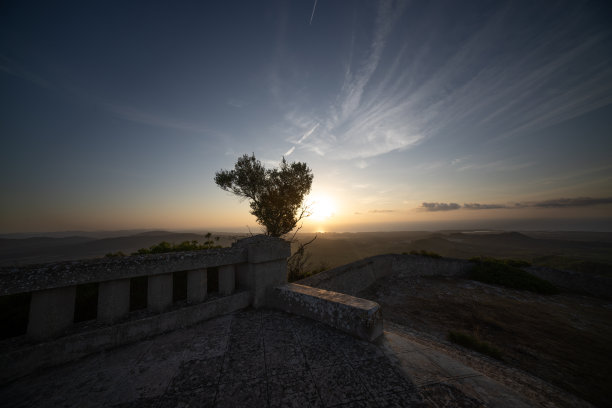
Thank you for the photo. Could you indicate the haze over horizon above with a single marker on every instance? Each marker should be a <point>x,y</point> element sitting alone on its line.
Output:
<point>412,115</point>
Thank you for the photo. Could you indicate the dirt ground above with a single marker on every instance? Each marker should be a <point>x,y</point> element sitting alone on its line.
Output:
<point>563,339</point>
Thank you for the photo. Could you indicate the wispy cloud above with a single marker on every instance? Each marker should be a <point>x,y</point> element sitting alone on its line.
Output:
<point>12,67</point>
<point>313,11</point>
<point>439,206</point>
<point>381,211</point>
<point>394,96</point>
<point>157,120</point>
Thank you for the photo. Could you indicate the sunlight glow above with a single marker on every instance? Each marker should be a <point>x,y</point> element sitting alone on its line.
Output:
<point>321,208</point>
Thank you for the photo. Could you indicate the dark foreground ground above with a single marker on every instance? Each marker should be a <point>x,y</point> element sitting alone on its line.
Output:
<point>564,339</point>
<point>266,359</point>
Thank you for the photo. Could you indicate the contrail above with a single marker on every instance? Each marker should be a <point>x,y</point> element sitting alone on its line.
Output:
<point>313,10</point>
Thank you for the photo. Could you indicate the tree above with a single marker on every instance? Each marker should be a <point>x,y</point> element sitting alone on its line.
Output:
<point>275,196</point>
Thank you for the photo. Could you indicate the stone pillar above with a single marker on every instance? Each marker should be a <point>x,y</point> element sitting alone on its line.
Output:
<point>227,279</point>
<point>266,268</point>
<point>196,285</point>
<point>113,300</point>
<point>51,312</point>
<point>159,296</point>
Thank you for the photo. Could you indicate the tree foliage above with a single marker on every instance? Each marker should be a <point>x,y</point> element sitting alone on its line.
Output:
<point>275,195</point>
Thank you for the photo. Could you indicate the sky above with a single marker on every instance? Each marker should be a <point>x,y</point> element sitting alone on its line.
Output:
<point>412,115</point>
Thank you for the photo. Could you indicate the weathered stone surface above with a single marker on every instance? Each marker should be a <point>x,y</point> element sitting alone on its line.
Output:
<point>358,317</point>
<point>262,248</point>
<point>227,279</point>
<point>51,312</point>
<point>159,297</point>
<point>357,276</point>
<point>197,285</point>
<point>113,300</point>
<point>165,371</point>
<point>26,358</point>
<point>54,275</point>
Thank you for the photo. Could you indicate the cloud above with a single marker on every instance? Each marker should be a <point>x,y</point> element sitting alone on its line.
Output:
<point>572,202</point>
<point>146,118</point>
<point>381,211</point>
<point>553,203</point>
<point>290,151</point>
<point>12,67</point>
<point>395,95</point>
<point>440,206</point>
<point>477,206</point>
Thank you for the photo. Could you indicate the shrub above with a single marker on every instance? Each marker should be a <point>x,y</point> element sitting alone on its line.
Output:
<point>502,272</point>
<point>426,253</point>
<point>471,342</point>
<point>117,254</point>
<point>164,247</point>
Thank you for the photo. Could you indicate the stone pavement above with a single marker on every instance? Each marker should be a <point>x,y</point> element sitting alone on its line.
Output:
<point>262,358</point>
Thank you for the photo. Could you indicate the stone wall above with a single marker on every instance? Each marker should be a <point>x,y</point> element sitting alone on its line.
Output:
<point>357,276</point>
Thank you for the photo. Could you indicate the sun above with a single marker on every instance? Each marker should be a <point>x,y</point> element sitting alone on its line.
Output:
<point>321,208</point>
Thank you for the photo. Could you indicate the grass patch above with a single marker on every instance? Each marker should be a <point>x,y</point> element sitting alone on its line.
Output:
<point>471,342</point>
<point>508,273</point>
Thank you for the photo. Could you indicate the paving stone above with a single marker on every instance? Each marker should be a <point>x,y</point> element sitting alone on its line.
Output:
<point>283,359</point>
<point>257,358</point>
<point>339,385</point>
<point>277,322</point>
<point>293,390</point>
<point>245,341</point>
<point>356,350</point>
<point>196,374</point>
<point>247,394</point>
<point>274,338</point>
<point>322,356</point>
<point>406,399</point>
<point>381,378</point>
<point>243,366</point>
<point>445,395</point>
<point>198,398</point>
<point>204,347</point>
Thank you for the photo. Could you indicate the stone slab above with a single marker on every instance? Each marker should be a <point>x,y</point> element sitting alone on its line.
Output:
<point>359,317</point>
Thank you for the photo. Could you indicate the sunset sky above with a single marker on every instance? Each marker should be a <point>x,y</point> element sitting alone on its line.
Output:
<point>412,115</point>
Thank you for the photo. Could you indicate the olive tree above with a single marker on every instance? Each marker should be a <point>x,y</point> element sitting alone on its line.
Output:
<point>275,195</point>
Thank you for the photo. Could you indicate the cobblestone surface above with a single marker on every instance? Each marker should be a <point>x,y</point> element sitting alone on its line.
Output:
<point>262,358</point>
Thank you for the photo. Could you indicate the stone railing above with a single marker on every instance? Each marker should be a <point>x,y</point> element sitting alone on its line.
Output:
<point>253,265</point>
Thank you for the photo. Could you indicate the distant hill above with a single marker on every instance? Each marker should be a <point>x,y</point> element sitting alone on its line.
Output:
<point>45,249</point>
<point>581,251</point>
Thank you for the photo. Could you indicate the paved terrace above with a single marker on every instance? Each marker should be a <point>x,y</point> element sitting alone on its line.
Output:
<point>261,358</point>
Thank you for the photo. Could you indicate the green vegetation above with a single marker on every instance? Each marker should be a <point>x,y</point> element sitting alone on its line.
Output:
<point>164,246</point>
<point>428,254</point>
<point>507,272</point>
<point>586,266</point>
<point>471,342</point>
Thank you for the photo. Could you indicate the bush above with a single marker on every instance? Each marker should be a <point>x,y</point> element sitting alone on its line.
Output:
<point>164,247</point>
<point>428,254</point>
<point>117,254</point>
<point>504,273</point>
<point>471,342</point>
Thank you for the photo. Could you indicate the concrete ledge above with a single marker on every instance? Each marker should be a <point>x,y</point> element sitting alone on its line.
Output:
<point>23,360</point>
<point>359,317</point>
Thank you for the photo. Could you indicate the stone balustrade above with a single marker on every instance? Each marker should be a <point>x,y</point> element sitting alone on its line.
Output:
<point>254,264</point>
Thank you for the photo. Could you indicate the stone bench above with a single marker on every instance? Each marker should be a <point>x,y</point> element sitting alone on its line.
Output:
<point>359,317</point>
